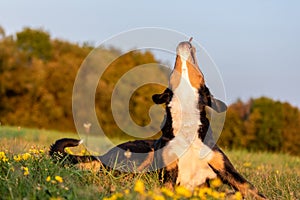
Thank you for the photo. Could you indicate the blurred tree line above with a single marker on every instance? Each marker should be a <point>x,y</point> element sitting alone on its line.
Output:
<point>37,74</point>
<point>262,124</point>
<point>36,79</point>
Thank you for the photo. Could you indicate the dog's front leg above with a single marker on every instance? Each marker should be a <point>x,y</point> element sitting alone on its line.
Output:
<point>225,170</point>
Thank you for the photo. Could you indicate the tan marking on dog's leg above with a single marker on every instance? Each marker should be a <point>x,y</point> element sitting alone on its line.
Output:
<point>217,161</point>
<point>171,165</point>
<point>176,74</point>
<point>229,174</point>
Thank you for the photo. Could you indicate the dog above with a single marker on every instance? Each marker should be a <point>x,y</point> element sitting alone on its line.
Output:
<point>186,153</point>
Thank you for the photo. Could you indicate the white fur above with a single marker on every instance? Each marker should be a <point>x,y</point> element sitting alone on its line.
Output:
<point>193,170</point>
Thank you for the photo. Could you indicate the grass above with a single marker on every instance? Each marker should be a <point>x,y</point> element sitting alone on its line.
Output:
<point>27,172</point>
<point>17,139</point>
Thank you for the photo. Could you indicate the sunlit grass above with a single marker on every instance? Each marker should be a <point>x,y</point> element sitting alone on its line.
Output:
<point>29,173</point>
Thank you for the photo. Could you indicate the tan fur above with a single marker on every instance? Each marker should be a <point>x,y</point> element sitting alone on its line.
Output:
<point>176,74</point>
<point>217,161</point>
<point>172,165</point>
<point>195,75</point>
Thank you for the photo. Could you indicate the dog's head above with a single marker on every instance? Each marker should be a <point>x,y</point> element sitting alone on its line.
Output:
<point>186,60</point>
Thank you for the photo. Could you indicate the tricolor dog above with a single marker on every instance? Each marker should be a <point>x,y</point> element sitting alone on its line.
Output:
<point>186,152</point>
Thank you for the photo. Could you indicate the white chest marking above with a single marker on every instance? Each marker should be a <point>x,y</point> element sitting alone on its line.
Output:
<point>184,111</point>
<point>193,169</point>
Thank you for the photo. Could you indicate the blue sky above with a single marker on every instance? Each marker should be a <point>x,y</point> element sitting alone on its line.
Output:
<point>255,44</point>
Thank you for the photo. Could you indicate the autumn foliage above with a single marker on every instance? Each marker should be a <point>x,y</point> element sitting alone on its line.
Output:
<point>262,124</point>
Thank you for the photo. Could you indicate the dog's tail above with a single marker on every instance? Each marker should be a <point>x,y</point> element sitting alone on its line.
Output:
<point>57,151</point>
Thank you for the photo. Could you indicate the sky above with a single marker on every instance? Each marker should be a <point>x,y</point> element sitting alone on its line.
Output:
<point>255,44</point>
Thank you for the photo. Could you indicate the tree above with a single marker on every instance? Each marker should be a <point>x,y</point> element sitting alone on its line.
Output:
<point>262,124</point>
<point>35,43</point>
<point>267,116</point>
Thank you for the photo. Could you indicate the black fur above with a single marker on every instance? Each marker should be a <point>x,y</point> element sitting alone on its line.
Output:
<point>57,151</point>
<point>165,97</point>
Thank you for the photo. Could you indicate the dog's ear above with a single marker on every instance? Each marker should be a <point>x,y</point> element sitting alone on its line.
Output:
<point>163,97</point>
<point>218,105</point>
<point>208,99</point>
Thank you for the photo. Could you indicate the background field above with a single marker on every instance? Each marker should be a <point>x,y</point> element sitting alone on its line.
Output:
<point>276,175</point>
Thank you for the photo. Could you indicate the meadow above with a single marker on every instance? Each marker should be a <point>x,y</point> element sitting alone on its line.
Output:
<point>27,172</point>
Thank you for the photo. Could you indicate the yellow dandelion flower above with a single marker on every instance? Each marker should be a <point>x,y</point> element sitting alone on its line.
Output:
<point>25,171</point>
<point>48,178</point>
<point>222,195</point>
<point>238,196</point>
<point>216,183</point>
<point>26,156</point>
<point>203,192</point>
<point>158,197</point>
<point>217,195</point>
<point>56,198</point>
<point>139,187</point>
<point>33,151</point>
<point>167,192</point>
<point>17,158</point>
<point>3,157</point>
<point>150,193</point>
<point>118,195</point>
<point>182,191</point>
<point>115,196</point>
<point>126,191</point>
<point>36,152</point>
<point>59,179</point>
